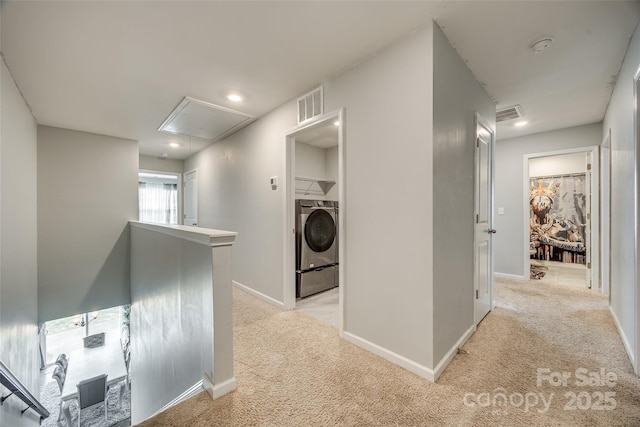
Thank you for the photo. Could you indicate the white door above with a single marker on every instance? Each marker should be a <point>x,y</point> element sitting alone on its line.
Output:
<point>588,187</point>
<point>605,212</point>
<point>483,265</point>
<point>191,198</point>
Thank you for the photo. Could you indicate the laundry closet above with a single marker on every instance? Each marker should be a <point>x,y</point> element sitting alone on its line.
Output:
<point>316,210</point>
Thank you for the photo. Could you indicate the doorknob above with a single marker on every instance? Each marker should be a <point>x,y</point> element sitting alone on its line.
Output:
<point>492,231</point>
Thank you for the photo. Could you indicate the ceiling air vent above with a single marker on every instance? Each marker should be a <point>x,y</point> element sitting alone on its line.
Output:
<point>310,105</point>
<point>509,113</point>
<point>201,119</point>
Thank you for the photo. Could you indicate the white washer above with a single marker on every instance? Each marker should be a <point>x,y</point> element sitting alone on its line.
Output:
<point>316,246</point>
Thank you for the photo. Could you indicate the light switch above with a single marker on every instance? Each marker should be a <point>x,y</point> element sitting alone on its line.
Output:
<point>500,211</point>
<point>274,182</point>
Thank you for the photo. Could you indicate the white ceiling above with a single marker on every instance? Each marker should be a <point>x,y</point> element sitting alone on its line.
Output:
<point>324,136</point>
<point>119,68</point>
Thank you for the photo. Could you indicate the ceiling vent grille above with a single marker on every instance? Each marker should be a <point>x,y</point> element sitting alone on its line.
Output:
<point>509,113</point>
<point>311,105</point>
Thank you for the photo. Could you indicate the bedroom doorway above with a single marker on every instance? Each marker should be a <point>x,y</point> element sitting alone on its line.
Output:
<point>563,210</point>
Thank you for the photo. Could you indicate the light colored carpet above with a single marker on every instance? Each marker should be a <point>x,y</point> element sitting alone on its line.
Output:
<point>292,370</point>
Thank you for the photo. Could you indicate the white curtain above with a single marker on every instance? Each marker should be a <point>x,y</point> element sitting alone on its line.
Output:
<point>158,202</point>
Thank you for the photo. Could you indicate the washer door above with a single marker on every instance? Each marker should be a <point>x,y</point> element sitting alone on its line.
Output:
<point>320,230</point>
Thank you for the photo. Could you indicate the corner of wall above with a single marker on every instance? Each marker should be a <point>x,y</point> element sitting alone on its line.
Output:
<point>457,98</point>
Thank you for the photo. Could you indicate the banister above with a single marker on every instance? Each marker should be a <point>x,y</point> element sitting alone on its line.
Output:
<point>16,388</point>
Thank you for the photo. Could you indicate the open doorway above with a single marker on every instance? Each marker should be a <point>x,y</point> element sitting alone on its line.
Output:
<point>563,211</point>
<point>314,212</point>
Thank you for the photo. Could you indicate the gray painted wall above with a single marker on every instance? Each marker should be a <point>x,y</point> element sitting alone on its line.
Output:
<point>87,193</point>
<point>171,319</point>
<point>331,164</point>
<point>234,193</point>
<point>388,213</point>
<point>18,248</point>
<point>164,165</point>
<point>509,241</point>
<point>457,96</point>
<point>389,295</point>
<point>624,160</point>
<point>316,162</point>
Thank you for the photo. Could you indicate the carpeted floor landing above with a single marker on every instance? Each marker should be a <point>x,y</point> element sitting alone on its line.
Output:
<point>292,370</point>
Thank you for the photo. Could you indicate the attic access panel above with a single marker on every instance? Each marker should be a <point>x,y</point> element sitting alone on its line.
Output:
<point>200,119</point>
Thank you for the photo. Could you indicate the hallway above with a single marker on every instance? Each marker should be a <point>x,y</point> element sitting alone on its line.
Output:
<point>293,370</point>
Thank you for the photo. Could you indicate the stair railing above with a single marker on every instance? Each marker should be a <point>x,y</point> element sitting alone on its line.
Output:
<point>16,388</point>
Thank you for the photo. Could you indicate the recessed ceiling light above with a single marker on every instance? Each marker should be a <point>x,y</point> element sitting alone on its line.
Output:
<point>234,97</point>
<point>336,123</point>
<point>520,124</point>
<point>541,45</point>
<point>174,145</point>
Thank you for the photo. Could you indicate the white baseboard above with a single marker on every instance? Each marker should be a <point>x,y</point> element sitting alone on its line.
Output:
<point>625,341</point>
<point>510,277</point>
<point>392,357</point>
<point>260,295</point>
<point>192,391</point>
<point>218,390</point>
<point>441,366</point>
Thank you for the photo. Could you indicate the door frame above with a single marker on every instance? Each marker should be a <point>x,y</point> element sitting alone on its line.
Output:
<point>288,269</point>
<point>184,183</point>
<point>595,207</point>
<point>636,195</point>
<point>605,215</point>
<point>480,122</point>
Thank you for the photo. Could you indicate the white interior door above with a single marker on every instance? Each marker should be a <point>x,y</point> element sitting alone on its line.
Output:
<point>588,230</point>
<point>191,198</point>
<point>605,212</point>
<point>483,265</point>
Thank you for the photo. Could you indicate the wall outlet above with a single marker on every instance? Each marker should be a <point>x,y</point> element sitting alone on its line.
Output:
<point>500,211</point>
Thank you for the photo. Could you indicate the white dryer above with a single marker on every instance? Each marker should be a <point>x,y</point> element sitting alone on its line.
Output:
<point>316,246</point>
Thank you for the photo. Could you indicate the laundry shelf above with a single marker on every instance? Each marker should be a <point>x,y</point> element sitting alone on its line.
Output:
<point>324,184</point>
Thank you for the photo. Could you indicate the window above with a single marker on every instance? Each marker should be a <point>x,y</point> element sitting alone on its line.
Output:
<point>158,198</point>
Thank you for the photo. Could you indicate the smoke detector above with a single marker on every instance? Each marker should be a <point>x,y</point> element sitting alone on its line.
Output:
<point>541,45</point>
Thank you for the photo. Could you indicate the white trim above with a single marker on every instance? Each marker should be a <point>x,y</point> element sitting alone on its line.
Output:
<point>204,236</point>
<point>444,362</point>
<point>403,362</point>
<point>216,391</point>
<point>625,341</point>
<point>636,196</point>
<point>605,214</point>
<point>510,277</point>
<point>259,295</point>
<point>189,393</point>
